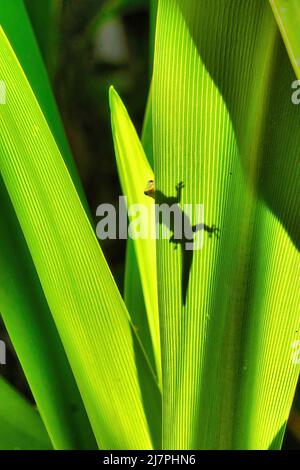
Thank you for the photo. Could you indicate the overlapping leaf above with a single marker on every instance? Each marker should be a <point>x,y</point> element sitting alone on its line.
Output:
<point>224,124</point>
<point>287,15</point>
<point>87,308</point>
<point>134,172</point>
<point>21,426</point>
<point>22,302</point>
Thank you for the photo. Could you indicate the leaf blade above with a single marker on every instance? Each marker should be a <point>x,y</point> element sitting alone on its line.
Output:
<point>21,426</point>
<point>22,303</point>
<point>134,172</point>
<point>287,15</point>
<point>87,308</point>
<point>217,127</point>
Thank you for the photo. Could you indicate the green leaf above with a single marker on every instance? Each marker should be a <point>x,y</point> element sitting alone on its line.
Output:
<point>287,15</point>
<point>35,338</point>
<point>147,134</point>
<point>224,124</point>
<point>22,303</point>
<point>134,300</point>
<point>134,172</point>
<point>129,153</point>
<point>153,15</point>
<point>21,427</point>
<point>133,291</point>
<point>88,310</point>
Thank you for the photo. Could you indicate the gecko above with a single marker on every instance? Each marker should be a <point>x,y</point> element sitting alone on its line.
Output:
<point>188,230</point>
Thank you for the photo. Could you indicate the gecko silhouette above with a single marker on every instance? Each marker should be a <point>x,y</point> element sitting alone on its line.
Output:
<point>183,235</point>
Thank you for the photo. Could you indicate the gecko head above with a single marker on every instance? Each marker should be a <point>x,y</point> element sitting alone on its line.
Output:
<point>150,189</point>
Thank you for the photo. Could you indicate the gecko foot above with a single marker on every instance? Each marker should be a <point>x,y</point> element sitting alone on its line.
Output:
<point>214,230</point>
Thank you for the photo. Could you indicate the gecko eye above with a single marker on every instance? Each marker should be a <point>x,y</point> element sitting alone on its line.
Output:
<point>150,189</point>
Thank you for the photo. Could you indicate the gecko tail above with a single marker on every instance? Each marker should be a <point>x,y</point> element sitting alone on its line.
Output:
<point>187,259</point>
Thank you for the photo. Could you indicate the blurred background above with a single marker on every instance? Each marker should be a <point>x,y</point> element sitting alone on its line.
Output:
<point>88,46</point>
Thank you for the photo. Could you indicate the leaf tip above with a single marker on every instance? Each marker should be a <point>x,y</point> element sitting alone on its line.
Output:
<point>113,97</point>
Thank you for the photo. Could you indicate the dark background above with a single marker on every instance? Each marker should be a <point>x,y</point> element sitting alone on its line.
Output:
<point>91,45</point>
